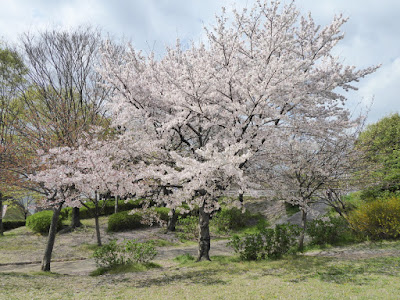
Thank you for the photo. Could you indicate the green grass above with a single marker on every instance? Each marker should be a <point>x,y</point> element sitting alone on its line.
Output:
<point>163,243</point>
<point>103,220</point>
<point>184,258</point>
<point>121,269</point>
<point>294,277</point>
<point>225,277</point>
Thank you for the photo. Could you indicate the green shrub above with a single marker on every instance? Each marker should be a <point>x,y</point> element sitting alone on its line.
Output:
<point>162,213</point>
<point>249,247</point>
<point>135,252</point>
<point>124,221</point>
<point>231,219</point>
<point>379,219</point>
<point>40,222</point>
<point>108,255</point>
<point>8,225</point>
<point>267,243</point>
<point>332,231</point>
<point>291,209</point>
<point>187,228</point>
<point>129,252</point>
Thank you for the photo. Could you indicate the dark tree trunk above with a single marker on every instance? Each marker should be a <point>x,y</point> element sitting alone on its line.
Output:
<point>172,221</point>
<point>240,198</point>
<point>96,219</point>
<point>303,231</point>
<point>51,238</point>
<point>116,205</point>
<point>1,215</point>
<point>204,234</point>
<point>76,219</point>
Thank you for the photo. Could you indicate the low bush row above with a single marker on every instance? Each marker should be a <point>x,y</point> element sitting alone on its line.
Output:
<point>223,221</point>
<point>108,209</point>
<point>228,219</point>
<point>126,221</point>
<point>8,225</point>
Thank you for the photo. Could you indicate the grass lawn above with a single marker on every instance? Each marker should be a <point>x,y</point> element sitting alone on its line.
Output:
<point>374,274</point>
<point>294,277</point>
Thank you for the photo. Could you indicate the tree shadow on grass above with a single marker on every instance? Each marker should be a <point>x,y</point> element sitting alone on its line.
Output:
<point>295,269</point>
<point>203,277</point>
<point>340,271</point>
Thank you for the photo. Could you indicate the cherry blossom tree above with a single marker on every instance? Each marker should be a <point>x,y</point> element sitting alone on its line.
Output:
<point>305,169</point>
<point>201,111</point>
<point>54,184</point>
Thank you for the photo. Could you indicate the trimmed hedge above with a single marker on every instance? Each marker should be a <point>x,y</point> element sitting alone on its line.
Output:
<point>124,221</point>
<point>40,222</point>
<point>232,219</point>
<point>8,225</point>
<point>84,213</point>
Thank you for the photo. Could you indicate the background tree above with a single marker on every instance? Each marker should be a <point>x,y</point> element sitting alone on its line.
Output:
<point>12,71</point>
<point>306,169</point>
<point>379,144</point>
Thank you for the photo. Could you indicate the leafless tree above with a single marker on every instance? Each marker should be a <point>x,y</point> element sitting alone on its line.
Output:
<point>64,96</point>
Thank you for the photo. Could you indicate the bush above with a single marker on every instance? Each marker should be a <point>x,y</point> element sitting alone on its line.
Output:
<point>291,209</point>
<point>40,222</point>
<point>8,225</point>
<point>162,213</point>
<point>124,221</point>
<point>379,219</point>
<point>136,252</point>
<point>129,252</point>
<point>267,243</point>
<point>108,255</point>
<point>332,231</point>
<point>231,219</point>
<point>187,228</point>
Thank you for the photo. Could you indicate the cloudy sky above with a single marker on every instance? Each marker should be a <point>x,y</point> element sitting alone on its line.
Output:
<point>372,32</point>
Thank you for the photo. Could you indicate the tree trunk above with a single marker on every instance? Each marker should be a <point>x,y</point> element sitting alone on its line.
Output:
<point>1,215</point>
<point>204,235</point>
<point>76,219</point>
<point>303,231</point>
<point>116,205</point>
<point>51,238</point>
<point>96,219</point>
<point>172,221</point>
<point>240,198</point>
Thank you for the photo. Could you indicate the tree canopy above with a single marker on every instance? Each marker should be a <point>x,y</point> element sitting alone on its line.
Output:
<point>380,145</point>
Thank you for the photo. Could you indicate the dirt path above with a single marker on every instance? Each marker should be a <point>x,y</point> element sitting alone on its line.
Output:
<point>83,266</point>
